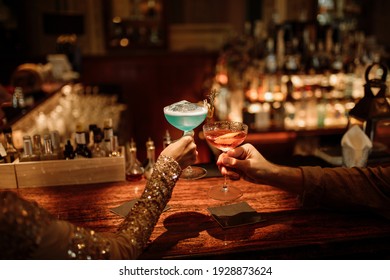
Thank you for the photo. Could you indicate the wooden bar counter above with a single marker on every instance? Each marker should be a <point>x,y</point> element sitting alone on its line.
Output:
<point>187,230</point>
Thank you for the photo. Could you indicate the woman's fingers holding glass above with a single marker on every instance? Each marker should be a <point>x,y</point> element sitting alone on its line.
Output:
<point>183,151</point>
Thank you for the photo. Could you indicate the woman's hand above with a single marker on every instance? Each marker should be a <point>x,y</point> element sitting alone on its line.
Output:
<point>183,151</point>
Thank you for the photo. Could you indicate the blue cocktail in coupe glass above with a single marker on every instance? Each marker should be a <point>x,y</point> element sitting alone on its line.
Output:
<point>186,116</point>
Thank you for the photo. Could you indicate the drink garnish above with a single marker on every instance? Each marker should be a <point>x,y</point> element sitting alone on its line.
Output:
<point>210,103</point>
<point>227,138</point>
<point>228,135</point>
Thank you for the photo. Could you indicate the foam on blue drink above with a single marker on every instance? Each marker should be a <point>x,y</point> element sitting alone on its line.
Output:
<point>185,108</point>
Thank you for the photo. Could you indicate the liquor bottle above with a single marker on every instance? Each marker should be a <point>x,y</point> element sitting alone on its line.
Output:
<point>114,147</point>
<point>166,139</point>
<point>12,152</point>
<point>270,59</point>
<point>289,105</point>
<point>337,60</point>
<point>2,153</point>
<point>91,137</point>
<point>28,154</point>
<point>48,153</point>
<point>323,57</point>
<point>150,155</point>
<point>98,149</point>
<point>37,145</point>
<point>108,131</point>
<point>68,150</point>
<point>151,11</point>
<point>291,57</point>
<point>81,151</point>
<point>134,169</point>
<point>56,144</point>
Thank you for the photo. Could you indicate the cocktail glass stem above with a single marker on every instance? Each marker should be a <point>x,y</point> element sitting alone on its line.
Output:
<point>225,185</point>
<point>189,133</point>
<point>190,172</point>
<point>226,192</point>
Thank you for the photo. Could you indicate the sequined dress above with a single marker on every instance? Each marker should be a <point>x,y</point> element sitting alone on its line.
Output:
<point>28,231</point>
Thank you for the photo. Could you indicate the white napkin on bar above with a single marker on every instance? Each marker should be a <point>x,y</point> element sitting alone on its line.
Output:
<point>356,147</point>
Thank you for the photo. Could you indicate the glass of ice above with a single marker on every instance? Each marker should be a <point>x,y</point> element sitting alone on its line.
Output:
<point>186,116</point>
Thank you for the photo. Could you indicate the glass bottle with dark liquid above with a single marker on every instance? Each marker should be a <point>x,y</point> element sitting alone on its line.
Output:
<point>98,149</point>
<point>81,151</point>
<point>68,151</point>
<point>150,154</point>
<point>134,170</point>
<point>12,152</point>
<point>2,153</point>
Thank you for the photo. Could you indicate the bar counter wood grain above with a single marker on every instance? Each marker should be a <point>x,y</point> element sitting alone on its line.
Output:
<point>187,231</point>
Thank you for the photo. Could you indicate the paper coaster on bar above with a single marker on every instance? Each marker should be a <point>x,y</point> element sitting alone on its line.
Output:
<point>125,208</point>
<point>234,215</point>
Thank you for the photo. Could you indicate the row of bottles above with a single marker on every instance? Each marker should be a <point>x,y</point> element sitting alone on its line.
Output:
<point>87,144</point>
<point>34,149</point>
<point>293,103</point>
<point>94,143</point>
<point>299,47</point>
<point>135,170</point>
<point>307,113</point>
<point>324,63</point>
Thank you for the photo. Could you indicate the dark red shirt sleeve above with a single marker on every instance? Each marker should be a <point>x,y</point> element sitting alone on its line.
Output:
<point>347,188</point>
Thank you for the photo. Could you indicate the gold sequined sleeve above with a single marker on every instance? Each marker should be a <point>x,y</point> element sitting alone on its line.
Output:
<point>28,231</point>
<point>138,225</point>
<point>134,232</point>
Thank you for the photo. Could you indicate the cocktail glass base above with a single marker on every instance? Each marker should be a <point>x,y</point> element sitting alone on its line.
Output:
<point>224,194</point>
<point>193,173</point>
